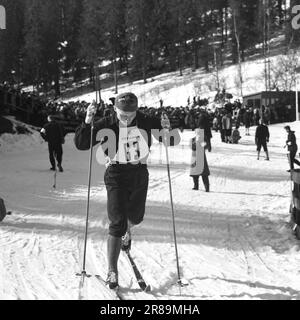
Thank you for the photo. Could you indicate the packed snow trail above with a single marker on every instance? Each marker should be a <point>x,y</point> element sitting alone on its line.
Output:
<point>233,243</point>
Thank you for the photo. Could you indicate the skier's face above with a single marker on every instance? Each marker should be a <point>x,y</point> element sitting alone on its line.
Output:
<point>125,118</point>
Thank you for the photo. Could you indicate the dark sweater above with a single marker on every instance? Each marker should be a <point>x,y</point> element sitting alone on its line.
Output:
<point>54,133</point>
<point>262,133</point>
<point>291,141</point>
<point>83,133</point>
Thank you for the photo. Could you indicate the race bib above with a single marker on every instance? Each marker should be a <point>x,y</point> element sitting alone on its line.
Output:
<point>132,146</point>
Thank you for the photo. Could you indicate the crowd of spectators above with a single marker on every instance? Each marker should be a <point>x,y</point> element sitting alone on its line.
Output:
<point>26,106</point>
<point>32,109</point>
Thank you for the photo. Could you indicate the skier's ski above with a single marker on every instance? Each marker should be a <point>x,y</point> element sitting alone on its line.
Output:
<point>115,291</point>
<point>141,282</point>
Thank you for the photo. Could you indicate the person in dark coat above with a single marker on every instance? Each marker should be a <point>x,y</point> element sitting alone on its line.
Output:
<point>247,121</point>
<point>262,137</point>
<point>53,133</point>
<point>292,146</point>
<point>236,137</point>
<point>126,177</point>
<point>227,126</point>
<point>197,148</point>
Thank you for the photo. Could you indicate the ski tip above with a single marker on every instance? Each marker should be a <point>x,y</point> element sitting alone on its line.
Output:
<point>148,289</point>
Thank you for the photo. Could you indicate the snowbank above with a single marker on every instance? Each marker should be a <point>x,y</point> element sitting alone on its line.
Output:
<point>18,142</point>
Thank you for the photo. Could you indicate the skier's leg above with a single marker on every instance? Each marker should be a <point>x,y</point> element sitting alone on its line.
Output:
<point>117,198</point>
<point>258,149</point>
<point>51,156</point>
<point>292,159</point>
<point>137,202</point>
<point>267,155</point>
<point>267,152</point>
<point>59,154</point>
<point>205,180</point>
<point>113,252</point>
<point>196,182</point>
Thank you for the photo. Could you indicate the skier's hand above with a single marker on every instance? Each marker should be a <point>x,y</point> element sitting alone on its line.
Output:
<point>90,112</point>
<point>165,122</point>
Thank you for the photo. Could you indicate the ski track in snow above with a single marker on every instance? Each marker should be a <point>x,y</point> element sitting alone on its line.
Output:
<point>233,243</point>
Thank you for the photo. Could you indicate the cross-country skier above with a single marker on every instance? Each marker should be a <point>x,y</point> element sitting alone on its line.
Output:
<point>53,133</point>
<point>126,177</point>
<point>291,144</point>
<point>262,136</point>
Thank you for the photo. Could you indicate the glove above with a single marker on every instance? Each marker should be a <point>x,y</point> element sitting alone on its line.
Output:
<point>165,122</point>
<point>90,113</point>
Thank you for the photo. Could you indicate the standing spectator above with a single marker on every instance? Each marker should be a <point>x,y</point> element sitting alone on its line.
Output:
<point>267,115</point>
<point>161,102</point>
<point>291,144</point>
<point>196,158</point>
<point>227,126</point>
<point>236,137</point>
<point>53,133</point>
<point>262,137</point>
<point>203,123</point>
<point>256,116</point>
<point>247,121</point>
<point>222,131</point>
<point>215,124</point>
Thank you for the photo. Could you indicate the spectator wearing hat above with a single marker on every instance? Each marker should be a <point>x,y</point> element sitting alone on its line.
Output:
<point>126,177</point>
<point>262,137</point>
<point>291,144</point>
<point>53,133</point>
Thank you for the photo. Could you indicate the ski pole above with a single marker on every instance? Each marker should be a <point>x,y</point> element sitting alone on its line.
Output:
<point>83,272</point>
<point>54,178</point>
<point>55,171</point>
<point>172,207</point>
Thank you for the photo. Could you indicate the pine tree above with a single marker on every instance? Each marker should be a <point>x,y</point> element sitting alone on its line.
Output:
<point>72,11</point>
<point>138,23</point>
<point>92,35</point>
<point>115,34</point>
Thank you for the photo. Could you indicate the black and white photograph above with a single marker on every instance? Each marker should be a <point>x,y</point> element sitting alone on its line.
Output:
<point>149,152</point>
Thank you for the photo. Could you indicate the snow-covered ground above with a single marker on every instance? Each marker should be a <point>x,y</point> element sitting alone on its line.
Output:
<point>233,243</point>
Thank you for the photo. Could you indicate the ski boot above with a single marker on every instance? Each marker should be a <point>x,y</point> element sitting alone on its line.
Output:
<point>126,241</point>
<point>112,280</point>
